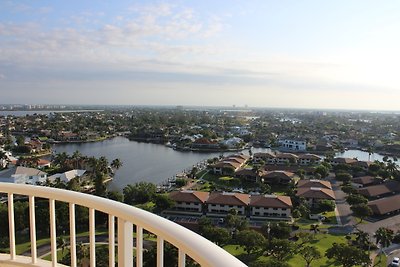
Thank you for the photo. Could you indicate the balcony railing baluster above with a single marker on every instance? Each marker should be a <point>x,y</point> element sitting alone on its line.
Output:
<point>125,243</point>
<point>92,238</point>
<point>53,234</point>
<point>181,258</point>
<point>188,243</point>
<point>139,246</point>
<point>72,234</point>
<point>32,224</point>
<point>111,240</point>
<point>11,225</point>
<point>160,251</point>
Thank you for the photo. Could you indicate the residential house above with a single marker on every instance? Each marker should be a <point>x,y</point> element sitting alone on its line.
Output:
<point>364,181</point>
<point>267,157</point>
<point>314,183</point>
<point>247,174</point>
<point>337,161</point>
<point>285,158</point>
<point>385,206</point>
<point>221,203</point>
<point>23,175</point>
<point>309,159</point>
<point>363,164</point>
<point>67,176</point>
<point>229,165</point>
<point>189,201</point>
<point>315,194</point>
<point>277,177</point>
<point>381,190</point>
<point>270,206</point>
<point>292,145</point>
<point>205,143</point>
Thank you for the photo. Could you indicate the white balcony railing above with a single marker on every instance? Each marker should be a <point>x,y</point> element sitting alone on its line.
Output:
<point>187,242</point>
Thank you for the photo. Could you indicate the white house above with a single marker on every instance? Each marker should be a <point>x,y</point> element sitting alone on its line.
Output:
<point>23,175</point>
<point>292,145</point>
<point>67,176</point>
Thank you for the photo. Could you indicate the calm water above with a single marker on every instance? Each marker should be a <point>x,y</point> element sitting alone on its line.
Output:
<point>22,113</point>
<point>141,161</point>
<point>155,163</point>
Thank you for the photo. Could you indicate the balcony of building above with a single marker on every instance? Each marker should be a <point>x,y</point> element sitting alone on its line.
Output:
<point>122,221</point>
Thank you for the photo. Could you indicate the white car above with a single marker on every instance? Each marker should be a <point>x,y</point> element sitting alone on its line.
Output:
<point>395,262</point>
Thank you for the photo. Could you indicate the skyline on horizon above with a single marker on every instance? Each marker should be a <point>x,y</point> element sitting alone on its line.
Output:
<point>267,54</point>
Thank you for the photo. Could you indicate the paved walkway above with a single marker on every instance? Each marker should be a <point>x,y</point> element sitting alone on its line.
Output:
<point>344,213</point>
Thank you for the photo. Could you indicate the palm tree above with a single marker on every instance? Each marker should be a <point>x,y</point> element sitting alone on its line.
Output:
<point>391,167</point>
<point>362,239</point>
<point>383,237</point>
<point>76,157</point>
<point>116,164</point>
<point>314,228</point>
<point>62,244</point>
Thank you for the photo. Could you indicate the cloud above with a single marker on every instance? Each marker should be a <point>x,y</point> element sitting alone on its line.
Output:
<point>2,76</point>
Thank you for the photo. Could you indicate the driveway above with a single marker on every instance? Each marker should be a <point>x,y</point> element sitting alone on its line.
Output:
<point>343,209</point>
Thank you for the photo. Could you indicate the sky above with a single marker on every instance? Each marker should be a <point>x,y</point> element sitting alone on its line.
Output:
<point>342,54</point>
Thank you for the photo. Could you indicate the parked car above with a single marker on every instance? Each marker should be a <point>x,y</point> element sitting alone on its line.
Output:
<point>395,262</point>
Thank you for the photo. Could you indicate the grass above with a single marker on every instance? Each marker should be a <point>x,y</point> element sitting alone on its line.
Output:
<point>380,261</point>
<point>322,242</point>
<point>225,178</point>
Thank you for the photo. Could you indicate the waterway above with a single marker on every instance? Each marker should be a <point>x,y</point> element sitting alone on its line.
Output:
<point>155,163</point>
<point>141,161</point>
<point>22,113</point>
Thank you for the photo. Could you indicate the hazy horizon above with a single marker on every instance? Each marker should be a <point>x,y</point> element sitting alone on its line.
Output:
<point>340,55</point>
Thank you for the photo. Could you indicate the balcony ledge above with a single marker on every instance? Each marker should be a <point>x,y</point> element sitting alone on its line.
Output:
<point>5,261</point>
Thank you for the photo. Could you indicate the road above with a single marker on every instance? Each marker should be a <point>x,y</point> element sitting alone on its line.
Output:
<point>45,249</point>
<point>343,209</point>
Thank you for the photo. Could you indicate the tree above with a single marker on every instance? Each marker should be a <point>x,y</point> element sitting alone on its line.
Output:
<point>139,193</point>
<point>383,237</point>
<point>218,235</point>
<point>356,199</point>
<point>361,211</point>
<point>61,244</point>
<point>305,238</point>
<point>280,230</point>
<point>343,177</point>
<point>347,255</point>
<point>309,254</point>
<point>272,262</point>
<point>162,202</point>
<point>116,164</point>
<point>322,170</point>
<point>250,240</point>
<point>115,195</point>
<point>314,228</point>
<point>326,205</point>
<point>362,239</point>
<point>280,249</point>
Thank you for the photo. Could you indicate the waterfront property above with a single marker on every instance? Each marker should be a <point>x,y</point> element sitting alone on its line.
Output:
<point>23,175</point>
<point>313,191</point>
<point>229,165</point>
<point>189,202</point>
<point>292,145</point>
<point>220,203</point>
<point>270,206</point>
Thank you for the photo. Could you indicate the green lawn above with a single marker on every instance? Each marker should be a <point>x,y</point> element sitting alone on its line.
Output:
<point>322,242</point>
<point>225,178</point>
<point>380,261</point>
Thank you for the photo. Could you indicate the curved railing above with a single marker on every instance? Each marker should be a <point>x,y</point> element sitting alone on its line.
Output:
<point>187,242</point>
